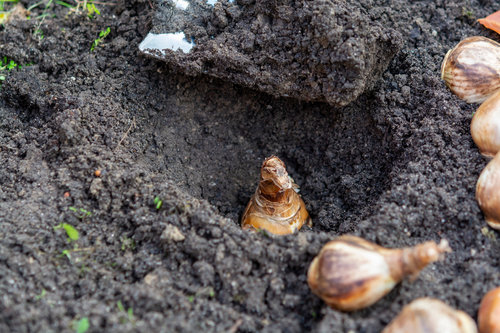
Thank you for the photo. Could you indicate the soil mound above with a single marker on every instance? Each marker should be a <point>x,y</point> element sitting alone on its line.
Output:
<point>328,51</point>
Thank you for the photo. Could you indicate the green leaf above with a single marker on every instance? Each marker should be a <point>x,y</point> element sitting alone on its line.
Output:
<point>83,325</point>
<point>65,4</point>
<point>66,253</point>
<point>130,313</point>
<point>80,212</point>
<point>91,9</point>
<point>120,306</point>
<point>158,202</point>
<point>30,8</point>
<point>104,33</point>
<point>41,295</point>
<point>71,231</point>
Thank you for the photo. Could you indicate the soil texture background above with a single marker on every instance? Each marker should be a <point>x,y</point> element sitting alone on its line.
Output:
<point>397,166</point>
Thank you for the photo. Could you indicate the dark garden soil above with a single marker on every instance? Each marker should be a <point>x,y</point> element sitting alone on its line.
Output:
<point>397,166</point>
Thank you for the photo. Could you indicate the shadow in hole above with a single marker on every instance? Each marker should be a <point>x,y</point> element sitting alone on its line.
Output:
<point>211,138</point>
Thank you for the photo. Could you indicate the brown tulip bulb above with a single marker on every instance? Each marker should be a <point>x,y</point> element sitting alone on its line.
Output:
<point>472,69</point>
<point>485,126</point>
<point>488,192</point>
<point>427,315</point>
<point>276,206</point>
<point>488,316</point>
<point>351,273</point>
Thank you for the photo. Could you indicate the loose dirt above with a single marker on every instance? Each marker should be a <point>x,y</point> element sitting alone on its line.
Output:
<point>397,166</point>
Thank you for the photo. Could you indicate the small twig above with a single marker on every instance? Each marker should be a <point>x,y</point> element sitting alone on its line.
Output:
<point>126,133</point>
<point>82,249</point>
<point>236,325</point>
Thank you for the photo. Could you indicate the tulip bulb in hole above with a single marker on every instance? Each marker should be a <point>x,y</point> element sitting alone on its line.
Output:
<point>472,69</point>
<point>488,316</point>
<point>488,192</point>
<point>427,315</point>
<point>351,273</point>
<point>276,206</point>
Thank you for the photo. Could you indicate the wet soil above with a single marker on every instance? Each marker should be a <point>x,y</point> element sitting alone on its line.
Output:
<point>397,166</point>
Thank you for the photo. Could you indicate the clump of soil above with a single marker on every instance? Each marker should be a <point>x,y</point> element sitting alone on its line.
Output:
<point>397,166</point>
<point>327,51</point>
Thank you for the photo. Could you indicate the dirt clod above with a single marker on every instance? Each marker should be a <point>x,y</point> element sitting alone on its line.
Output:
<point>329,51</point>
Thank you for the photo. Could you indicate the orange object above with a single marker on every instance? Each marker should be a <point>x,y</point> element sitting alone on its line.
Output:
<point>492,21</point>
<point>488,316</point>
<point>97,173</point>
<point>275,206</point>
<point>66,194</point>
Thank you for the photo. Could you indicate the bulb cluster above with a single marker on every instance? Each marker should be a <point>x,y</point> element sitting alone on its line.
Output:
<point>351,273</point>
<point>472,71</point>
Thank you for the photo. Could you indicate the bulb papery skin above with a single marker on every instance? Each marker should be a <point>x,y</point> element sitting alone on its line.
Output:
<point>427,315</point>
<point>488,316</point>
<point>485,126</point>
<point>488,192</point>
<point>471,69</point>
<point>344,289</point>
<point>275,207</point>
<point>351,273</point>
